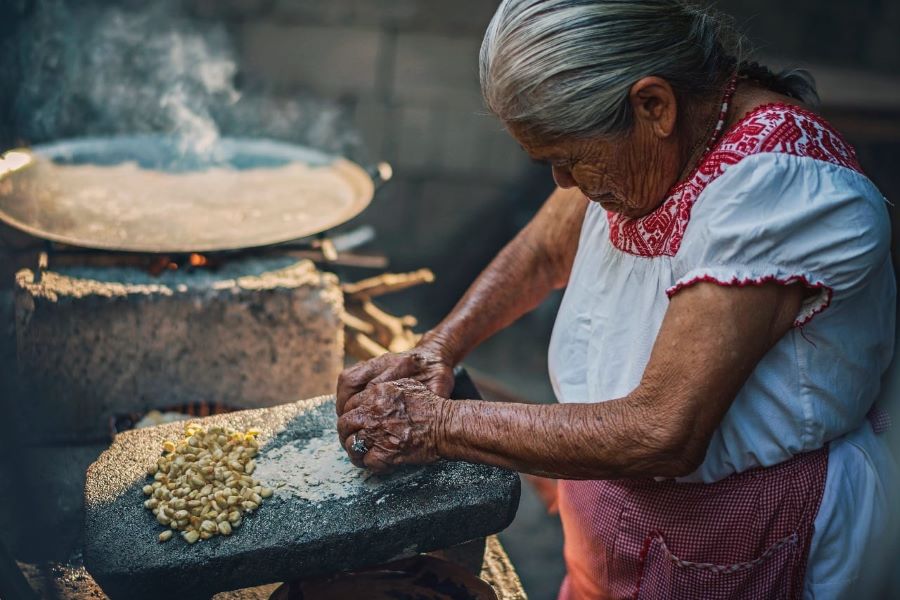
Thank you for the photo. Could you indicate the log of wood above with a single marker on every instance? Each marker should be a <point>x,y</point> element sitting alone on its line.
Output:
<point>386,327</point>
<point>372,331</point>
<point>391,333</point>
<point>386,283</point>
<point>355,323</point>
<point>362,347</point>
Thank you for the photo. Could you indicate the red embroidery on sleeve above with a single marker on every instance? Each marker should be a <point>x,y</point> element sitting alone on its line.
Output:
<point>821,303</point>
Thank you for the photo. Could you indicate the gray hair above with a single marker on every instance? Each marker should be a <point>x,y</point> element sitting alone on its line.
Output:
<point>565,67</point>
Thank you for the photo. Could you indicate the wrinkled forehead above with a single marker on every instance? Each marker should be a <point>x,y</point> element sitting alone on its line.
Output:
<point>536,143</point>
<point>546,147</point>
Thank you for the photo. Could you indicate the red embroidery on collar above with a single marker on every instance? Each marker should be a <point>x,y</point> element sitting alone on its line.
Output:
<point>776,127</point>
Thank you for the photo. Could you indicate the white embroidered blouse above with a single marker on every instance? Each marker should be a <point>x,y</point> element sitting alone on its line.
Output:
<point>781,198</point>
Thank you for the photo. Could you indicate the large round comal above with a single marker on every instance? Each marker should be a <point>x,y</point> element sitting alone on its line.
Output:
<point>151,193</point>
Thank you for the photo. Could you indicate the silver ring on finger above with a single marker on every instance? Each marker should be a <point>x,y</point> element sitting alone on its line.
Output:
<point>359,445</point>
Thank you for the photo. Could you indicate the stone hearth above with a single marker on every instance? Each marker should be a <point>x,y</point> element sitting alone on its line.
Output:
<point>92,343</point>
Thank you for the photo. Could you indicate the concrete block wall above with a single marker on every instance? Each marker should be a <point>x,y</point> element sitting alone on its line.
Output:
<point>412,78</point>
<point>838,33</point>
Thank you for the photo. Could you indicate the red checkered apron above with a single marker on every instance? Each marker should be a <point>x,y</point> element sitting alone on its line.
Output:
<point>744,537</point>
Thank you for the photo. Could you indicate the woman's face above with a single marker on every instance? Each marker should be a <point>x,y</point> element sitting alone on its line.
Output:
<point>629,173</point>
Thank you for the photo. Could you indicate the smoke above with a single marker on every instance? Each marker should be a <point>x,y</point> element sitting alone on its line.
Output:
<point>102,68</point>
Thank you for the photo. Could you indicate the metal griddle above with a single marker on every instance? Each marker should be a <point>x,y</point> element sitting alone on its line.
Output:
<point>35,198</point>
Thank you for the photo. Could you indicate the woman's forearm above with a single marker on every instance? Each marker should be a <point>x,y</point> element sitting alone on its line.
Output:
<point>513,283</point>
<point>619,438</point>
<point>534,263</point>
<point>710,341</point>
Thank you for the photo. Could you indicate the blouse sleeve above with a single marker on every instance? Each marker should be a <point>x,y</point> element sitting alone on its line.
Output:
<point>786,219</point>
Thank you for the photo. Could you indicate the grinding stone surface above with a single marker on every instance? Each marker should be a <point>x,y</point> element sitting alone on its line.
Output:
<point>415,510</point>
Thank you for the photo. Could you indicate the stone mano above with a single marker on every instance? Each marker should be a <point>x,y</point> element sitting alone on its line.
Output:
<point>416,510</point>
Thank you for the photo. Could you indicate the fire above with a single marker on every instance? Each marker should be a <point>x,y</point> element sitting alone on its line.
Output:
<point>158,264</point>
<point>197,260</point>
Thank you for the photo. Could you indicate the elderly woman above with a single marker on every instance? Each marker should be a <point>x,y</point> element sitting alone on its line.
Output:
<point>728,313</point>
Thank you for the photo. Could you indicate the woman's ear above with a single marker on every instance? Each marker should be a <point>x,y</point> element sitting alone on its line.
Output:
<point>654,105</point>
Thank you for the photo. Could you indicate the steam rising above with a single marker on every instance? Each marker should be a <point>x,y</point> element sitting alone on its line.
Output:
<point>102,68</point>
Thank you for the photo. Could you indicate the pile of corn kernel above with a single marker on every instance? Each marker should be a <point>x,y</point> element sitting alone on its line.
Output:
<point>202,483</point>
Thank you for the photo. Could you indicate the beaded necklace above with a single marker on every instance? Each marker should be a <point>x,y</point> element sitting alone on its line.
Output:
<point>727,97</point>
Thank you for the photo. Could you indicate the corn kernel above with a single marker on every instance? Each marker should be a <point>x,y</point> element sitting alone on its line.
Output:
<point>191,536</point>
<point>203,482</point>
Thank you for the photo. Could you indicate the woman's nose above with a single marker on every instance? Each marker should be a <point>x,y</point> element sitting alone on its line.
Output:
<point>563,177</point>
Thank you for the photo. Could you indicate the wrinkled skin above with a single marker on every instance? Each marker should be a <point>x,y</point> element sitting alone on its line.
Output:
<point>710,340</point>
<point>408,416</point>
<point>629,173</point>
<point>424,364</point>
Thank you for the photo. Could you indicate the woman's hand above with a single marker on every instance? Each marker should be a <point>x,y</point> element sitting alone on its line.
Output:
<point>425,364</point>
<point>398,422</point>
